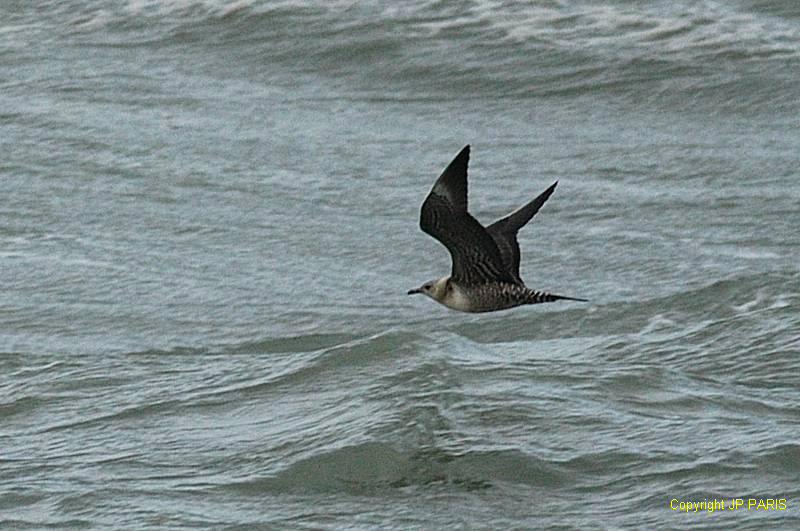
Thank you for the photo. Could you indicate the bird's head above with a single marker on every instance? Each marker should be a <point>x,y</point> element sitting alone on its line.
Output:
<point>435,289</point>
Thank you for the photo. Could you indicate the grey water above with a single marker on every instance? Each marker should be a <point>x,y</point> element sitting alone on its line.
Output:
<point>209,221</point>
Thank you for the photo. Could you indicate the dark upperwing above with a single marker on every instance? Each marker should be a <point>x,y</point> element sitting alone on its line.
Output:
<point>504,231</point>
<point>475,253</point>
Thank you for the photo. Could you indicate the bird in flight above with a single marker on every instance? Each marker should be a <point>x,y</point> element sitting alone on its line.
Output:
<point>485,275</point>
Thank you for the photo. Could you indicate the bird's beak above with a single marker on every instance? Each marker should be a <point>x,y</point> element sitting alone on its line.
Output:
<point>413,291</point>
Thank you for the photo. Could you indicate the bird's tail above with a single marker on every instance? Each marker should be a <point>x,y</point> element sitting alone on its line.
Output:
<point>536,297</point>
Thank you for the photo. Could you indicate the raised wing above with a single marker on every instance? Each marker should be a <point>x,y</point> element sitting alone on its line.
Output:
<point>504,232</point>
<point>476,258</point>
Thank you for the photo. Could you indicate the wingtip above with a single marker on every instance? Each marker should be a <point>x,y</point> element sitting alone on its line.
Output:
<point>462,156</point>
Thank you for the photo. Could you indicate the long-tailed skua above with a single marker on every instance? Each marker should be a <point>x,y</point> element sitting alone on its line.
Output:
<point>485,275</point>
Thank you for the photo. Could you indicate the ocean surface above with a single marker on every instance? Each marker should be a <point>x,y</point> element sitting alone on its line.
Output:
<point>209,220</point>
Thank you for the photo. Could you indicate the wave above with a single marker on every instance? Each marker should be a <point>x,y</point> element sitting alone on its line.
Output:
<point>371,467</point>
<point>684,54</point>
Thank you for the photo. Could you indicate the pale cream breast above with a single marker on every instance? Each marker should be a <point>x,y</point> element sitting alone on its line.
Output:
<point>456,299</point>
